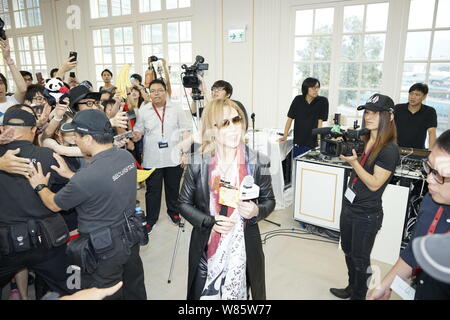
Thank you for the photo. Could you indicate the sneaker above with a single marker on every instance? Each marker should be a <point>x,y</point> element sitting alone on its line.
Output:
<point>341,293</point>
<point>14,295</point>
<point>176,219</point>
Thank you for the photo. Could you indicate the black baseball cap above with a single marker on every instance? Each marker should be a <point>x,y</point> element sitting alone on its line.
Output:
<point>378,102</point>
<point>79,93</point>
<point>89,122</point>
<point>27,118</point>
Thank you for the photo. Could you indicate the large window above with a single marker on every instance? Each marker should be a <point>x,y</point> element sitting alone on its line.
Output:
<point>26,13</point>
<point>106,8</point>
<point>4,68</point>
<point>427,54</point>
<point>346,55</point>
<point>179,52</point>
<point>31,53</point>
<point>4,13</point>
<point>313,38</point>
<point>149,5</point>
<point>362,54</point>
<point>113,48</point>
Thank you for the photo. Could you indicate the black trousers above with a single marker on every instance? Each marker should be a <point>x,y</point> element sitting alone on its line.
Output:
<point>358,232</point>
<point>49,264</point>
<point>125,265</point>
<point>171,177</point>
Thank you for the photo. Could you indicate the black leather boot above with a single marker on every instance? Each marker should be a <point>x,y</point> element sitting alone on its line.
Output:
<point>341,293</point>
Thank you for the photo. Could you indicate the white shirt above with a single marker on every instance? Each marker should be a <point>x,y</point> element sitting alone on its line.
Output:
<point>10,101</point>
<point>175,123</point>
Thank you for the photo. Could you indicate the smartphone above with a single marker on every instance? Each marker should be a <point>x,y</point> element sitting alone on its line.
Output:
<point>39,77</point>
<point>72,75</point>
<point>73,54</point>
<point>131,114</point>
<point>126,135</point>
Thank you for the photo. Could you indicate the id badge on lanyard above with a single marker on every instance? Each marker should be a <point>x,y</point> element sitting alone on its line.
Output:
<point>162,144</point>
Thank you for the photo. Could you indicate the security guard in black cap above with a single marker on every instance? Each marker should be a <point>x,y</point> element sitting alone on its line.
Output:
<point>31,236</point>
<point>104,196</point>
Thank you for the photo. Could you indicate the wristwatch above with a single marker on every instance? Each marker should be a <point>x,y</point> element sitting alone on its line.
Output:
<point>40,187</point>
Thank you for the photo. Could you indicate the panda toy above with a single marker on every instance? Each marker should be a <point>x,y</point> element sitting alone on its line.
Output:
<point>54,90</point>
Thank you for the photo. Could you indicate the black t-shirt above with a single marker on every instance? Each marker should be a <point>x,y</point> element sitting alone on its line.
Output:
<point>18,201</point>
<point>428,288</point>
<point>367,201</point>
<point>412,128</point>
<point>306,117</point>
<point>102,192</point>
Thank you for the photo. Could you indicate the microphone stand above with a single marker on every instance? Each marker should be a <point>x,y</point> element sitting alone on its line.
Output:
<point>253,123</point>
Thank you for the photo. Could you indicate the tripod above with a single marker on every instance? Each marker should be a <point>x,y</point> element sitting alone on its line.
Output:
<point>253,124</point>
<point>180,228</point>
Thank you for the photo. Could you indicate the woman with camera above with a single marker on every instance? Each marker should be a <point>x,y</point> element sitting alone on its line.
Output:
<point>225,255</point>
<point>362,212</point>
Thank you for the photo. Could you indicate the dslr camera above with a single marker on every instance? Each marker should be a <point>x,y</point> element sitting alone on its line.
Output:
<point>190,76</point>
<point>336,141</point>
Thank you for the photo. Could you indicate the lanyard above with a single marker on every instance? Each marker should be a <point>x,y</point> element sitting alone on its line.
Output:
<point>161,118</point>
<point>435,222</point>
<point>431,230</point>
<point>363,162</point>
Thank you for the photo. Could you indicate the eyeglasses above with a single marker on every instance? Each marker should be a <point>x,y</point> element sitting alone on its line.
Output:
<point>428,169</point>
<point>315,88</point>
<point>213,89</point>
<point>226,123</point>
<point>157,91</point>
<point>90,104</point>
<point>38,99</point>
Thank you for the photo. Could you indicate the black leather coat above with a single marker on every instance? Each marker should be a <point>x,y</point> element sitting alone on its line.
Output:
<point>194,207</point>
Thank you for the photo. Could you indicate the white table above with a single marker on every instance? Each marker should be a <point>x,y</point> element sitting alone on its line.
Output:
<point>266,142</point>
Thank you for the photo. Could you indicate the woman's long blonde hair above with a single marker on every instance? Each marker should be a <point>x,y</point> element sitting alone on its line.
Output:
<point>212,116</point>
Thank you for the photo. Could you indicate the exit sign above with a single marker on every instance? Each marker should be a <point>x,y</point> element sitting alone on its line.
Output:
<point>236,35</point>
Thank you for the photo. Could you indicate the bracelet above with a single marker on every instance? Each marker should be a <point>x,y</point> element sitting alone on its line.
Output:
<point>185,153</point>
<point>59,120</point>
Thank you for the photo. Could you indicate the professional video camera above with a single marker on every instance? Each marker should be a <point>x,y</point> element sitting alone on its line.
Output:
<point>2,29</point>
<point>190,76</point>
<point>336,141</point>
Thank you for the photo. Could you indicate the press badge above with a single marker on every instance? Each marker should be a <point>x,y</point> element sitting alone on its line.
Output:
<point>163,144</point>
<point>350,194</point>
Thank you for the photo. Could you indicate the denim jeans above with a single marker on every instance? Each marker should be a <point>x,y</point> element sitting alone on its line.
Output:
<point>358,232</point>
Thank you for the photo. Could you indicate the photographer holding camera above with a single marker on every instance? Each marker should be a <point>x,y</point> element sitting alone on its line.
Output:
<point>152,74</point>
<point>362,211</point>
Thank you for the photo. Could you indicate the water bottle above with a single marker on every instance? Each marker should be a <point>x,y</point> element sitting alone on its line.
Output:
<point>141,218</point>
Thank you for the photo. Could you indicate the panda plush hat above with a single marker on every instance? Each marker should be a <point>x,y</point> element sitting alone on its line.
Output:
<point>54,90</point>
